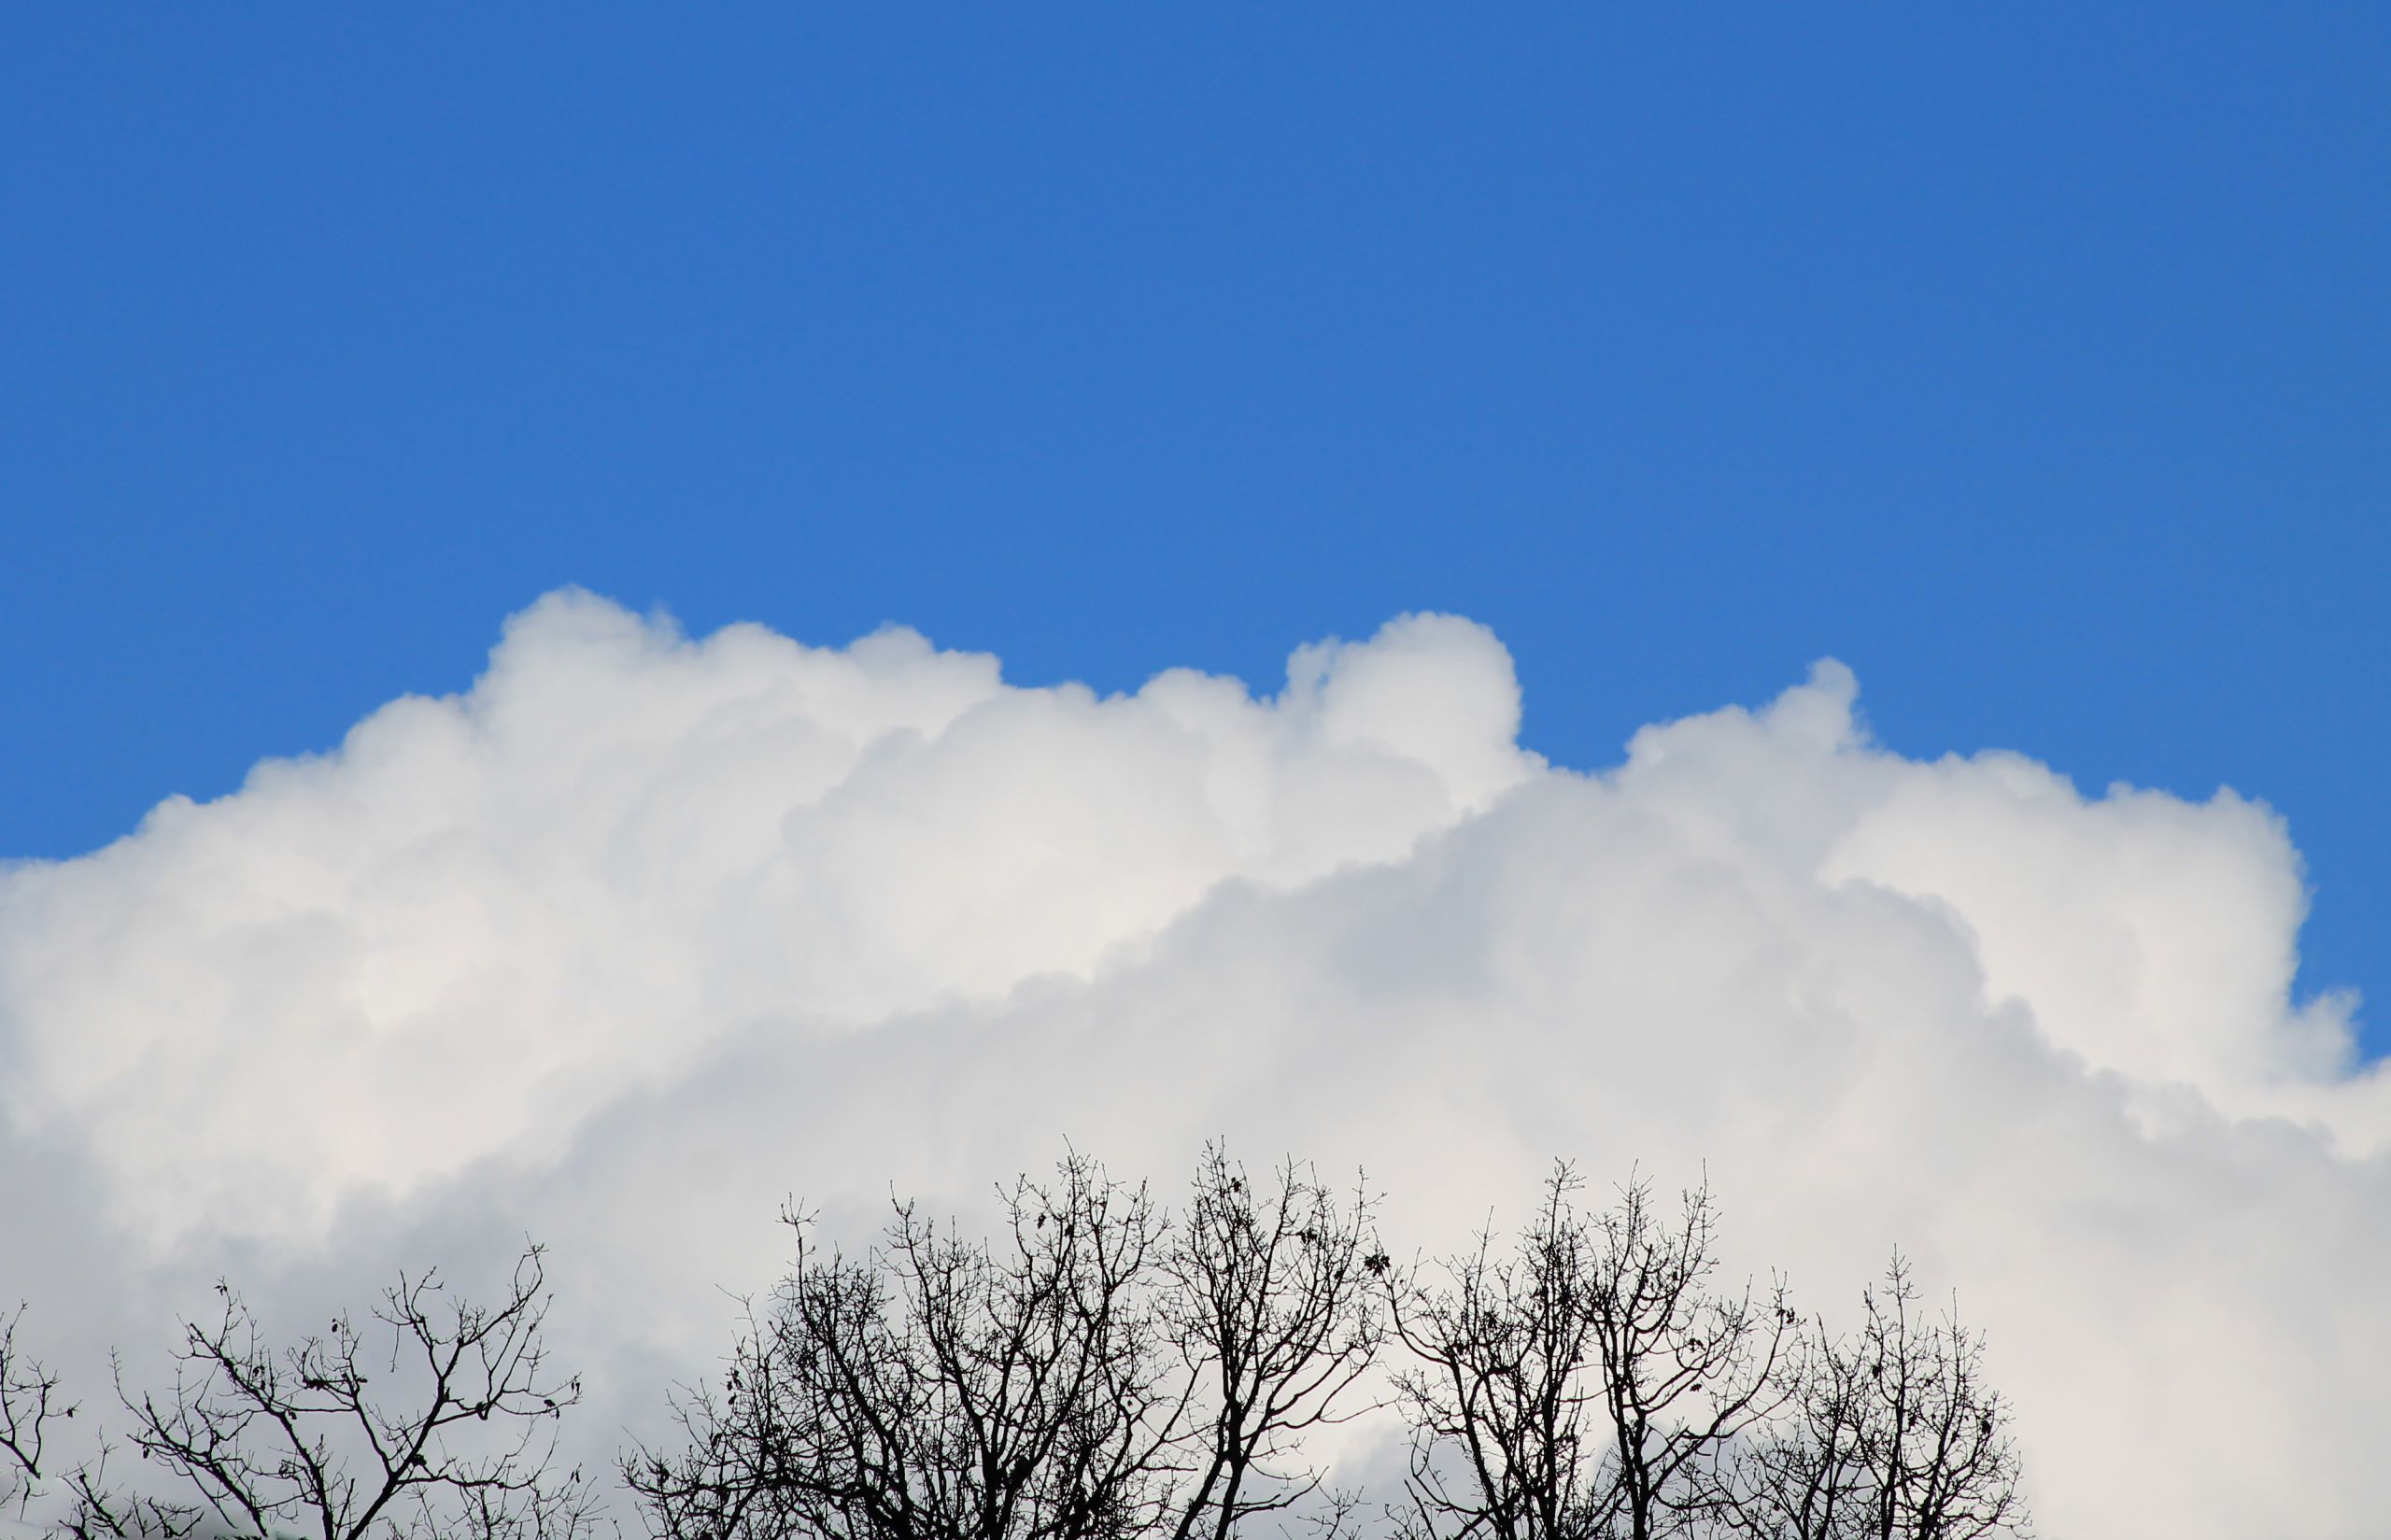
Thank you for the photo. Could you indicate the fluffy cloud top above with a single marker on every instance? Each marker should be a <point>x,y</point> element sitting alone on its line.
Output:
<point>643,932</point>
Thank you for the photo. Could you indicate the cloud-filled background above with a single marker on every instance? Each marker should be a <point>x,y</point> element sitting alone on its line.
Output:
<point>644,932</point>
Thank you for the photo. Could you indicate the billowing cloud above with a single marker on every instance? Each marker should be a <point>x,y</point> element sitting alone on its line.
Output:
<point>642,933</point>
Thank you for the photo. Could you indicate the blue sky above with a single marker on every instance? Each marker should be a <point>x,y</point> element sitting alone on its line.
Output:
<point>2034,364</point>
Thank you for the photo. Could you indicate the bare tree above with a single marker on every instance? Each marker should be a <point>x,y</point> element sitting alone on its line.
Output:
<point>31,1406</point>
<point>295,1438</point>
<point>1098,1370</point>
<point>1808,1478</point>
<point>938,1388</point>
<point>1503,1396</point>
<point>456,1437</point>
<point>1585,1387</point>
<point>1099,1375</point>
<point>1273,1303</point>
<point>1687,1371</point>
<point>1894,1436</point>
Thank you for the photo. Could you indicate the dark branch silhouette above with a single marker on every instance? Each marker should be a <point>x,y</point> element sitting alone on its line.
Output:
<point>940,1387</point>
<point>1272,1300</point>
<point>1098,1370</point>
<point>31,1406</point>
<point>1583,1385</point>
<point>438,1419</point>
<point>1097,1374</point>
<point>1894,1436</point>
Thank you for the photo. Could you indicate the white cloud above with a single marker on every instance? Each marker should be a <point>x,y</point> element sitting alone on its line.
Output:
<point>642,933</point>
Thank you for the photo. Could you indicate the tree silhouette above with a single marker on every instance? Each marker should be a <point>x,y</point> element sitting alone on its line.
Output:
<point>1098,1370</point>
<point>1584,1386</point>
<point>1100,1374</point>
<point>1894,1435</point>
<point>451,1433</point>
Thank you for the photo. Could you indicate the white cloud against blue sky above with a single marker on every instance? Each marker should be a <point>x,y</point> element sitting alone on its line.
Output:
<point>644,932</point>
<point>2030,363</point>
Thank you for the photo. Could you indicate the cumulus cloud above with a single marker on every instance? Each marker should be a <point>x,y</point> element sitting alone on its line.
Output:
<point>643,932</point>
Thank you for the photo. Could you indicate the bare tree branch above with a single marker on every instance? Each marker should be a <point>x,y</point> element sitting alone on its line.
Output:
<point>460,1440</point>
<point>1271,1299</point>
<point>1894,1436</point>
<point>1581,1387</point>
<point>1097,1375</point>
<point>30,1406</point>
